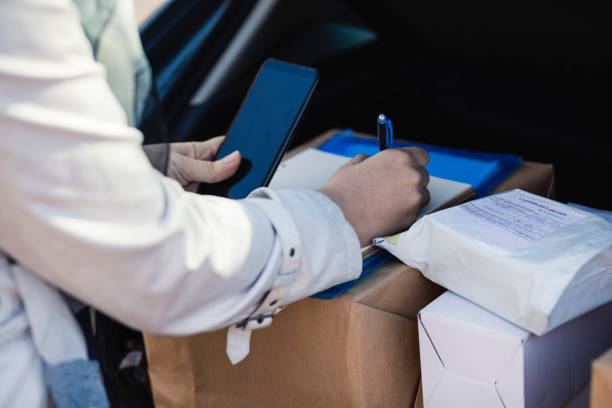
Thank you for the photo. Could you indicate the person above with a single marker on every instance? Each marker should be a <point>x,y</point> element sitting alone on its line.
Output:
<point>86,219</point>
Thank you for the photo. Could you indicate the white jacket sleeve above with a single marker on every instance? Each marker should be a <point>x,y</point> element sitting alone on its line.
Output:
<point>83,209</point>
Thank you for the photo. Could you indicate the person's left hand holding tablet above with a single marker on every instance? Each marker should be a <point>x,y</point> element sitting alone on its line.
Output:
<point>191,163</point>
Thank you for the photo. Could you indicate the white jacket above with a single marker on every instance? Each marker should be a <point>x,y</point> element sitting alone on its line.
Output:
<point>82,209</point>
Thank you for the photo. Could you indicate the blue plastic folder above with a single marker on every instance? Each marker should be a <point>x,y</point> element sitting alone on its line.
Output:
<point>483,171</point>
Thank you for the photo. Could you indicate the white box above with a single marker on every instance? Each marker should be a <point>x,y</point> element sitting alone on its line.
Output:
<point>473,358</point>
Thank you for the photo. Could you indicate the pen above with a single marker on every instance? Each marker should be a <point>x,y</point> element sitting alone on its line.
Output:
<point>384,131</point>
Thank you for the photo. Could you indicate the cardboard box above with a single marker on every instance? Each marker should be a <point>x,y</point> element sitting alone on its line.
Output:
<point>357,350</point>
<point>537,178</point>
<point>470,357</point>
<point>601,383</point>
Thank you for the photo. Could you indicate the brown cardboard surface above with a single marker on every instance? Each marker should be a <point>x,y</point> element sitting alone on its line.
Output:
<point>418,402</point>
<point>601,381</point>
<point>357,350</point>
<point>537,178</point>
<point>345,352</point>
<point>387,290</point>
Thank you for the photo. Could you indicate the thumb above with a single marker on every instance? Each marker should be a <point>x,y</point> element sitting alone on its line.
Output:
<point>193,170</point>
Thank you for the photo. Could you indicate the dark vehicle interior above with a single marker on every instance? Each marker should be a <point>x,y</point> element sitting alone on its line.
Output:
<point>528,78</point>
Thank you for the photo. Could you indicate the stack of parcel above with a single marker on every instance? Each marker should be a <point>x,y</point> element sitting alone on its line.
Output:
<point>539,274</point>
<point>358,349</point>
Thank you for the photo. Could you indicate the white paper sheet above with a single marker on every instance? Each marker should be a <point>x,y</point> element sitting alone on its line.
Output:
<point>308,169</point>
<point>311,168</point>
<point>510,221</point>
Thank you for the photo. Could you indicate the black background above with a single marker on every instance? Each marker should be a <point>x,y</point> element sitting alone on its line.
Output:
<point>529,78</point>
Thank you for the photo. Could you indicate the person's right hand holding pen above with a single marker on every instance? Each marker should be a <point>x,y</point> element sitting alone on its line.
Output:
<point>381,195</point>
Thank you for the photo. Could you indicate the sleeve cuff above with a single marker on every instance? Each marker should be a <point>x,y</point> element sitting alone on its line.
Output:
<point>317,248</point>
<point>328,245</point>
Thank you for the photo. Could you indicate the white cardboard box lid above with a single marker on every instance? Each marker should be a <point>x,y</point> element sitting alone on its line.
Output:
<point>459,339</point>
<point>445,388</point>
<point>469,339</point>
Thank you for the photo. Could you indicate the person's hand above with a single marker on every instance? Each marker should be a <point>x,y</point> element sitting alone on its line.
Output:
<point>191,163</point>
<point>381,195</point>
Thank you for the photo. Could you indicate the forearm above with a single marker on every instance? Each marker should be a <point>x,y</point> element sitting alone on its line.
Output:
<point>167,261</point>
<point>83,209</point>
<point>156,258</point>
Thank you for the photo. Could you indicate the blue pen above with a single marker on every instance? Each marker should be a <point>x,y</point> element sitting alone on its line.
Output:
<point>384,131</point>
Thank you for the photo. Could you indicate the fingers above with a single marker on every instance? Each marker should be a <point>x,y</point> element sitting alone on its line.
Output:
<point>419,155</point>
<point>419,158</point>
<point>424,176</point>
<point>357,159</point>
<point>189,170</point>
<point>425,196</point>
<point>206,150</point>
<point>414,162</point>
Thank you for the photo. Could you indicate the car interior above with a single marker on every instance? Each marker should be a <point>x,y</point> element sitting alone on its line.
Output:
<point>525,78</point>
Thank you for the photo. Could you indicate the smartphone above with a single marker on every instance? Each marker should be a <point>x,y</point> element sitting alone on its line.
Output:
<point>264,125</point>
